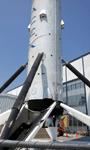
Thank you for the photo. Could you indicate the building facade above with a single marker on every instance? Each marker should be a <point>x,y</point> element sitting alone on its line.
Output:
<point>75,93</point>
<point>6,101</point>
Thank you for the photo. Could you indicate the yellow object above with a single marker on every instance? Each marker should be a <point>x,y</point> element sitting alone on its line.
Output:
<point>66,63</point>
<point>65,119</point>
<point>24,66</point>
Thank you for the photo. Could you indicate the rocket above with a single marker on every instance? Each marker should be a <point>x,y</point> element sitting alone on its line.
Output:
<point>41,94</point>
<point>45,92</point>
<point>45,36</point>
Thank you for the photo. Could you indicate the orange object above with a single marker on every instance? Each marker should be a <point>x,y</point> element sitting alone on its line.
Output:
<point>76,134</point>
<point>60,129</point>
<point>66,135</point>
<point>62,123</point>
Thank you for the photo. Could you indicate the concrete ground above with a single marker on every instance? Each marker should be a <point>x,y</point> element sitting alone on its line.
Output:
<point>70,139</point>
<point>66,137</point>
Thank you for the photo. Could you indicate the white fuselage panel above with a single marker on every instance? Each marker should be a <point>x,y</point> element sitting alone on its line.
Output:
<point>45,36</point>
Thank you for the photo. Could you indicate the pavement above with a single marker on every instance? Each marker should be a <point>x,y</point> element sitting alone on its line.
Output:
<point>66,137</point>
<point>71,139</point>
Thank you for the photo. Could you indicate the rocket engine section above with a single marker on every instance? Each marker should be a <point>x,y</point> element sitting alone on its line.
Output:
<point>45,36</point>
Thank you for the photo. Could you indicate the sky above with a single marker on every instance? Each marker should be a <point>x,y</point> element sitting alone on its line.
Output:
<point>14,36</point>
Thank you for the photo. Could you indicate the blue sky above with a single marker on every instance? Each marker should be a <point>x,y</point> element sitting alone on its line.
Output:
<point>14,35</point>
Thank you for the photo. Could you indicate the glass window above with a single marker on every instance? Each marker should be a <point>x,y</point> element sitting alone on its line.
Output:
<point>73,87</point>
<point>74,122</point>
<point>64,89</point>
<point>64,99</point>
<point>78,86</point>
<point>82,101</point>
<point>69,88</point>
<point>78,97</point>
<point>82,85</point>
<point>79,123</point>
<point>70,122</point>
<point>70,117</point>
<point>74,102</point>
<point>69,101</point>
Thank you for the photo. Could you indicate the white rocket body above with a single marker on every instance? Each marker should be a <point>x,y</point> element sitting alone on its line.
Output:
<point>45,36</point>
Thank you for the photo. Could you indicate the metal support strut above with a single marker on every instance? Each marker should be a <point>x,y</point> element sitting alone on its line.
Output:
<point>46,145</point>
<point>77,73</point>
<point>12,78</point>
<point>20,99</point>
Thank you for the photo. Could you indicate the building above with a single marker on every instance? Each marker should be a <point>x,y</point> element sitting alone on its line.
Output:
<point>75,93</point>
<point>6,101</point>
